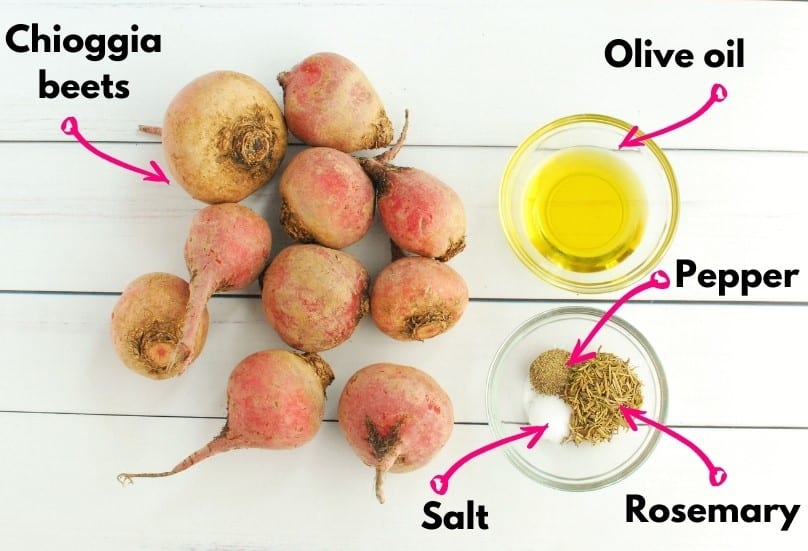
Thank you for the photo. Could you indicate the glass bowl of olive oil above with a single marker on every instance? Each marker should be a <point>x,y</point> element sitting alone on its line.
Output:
<point>582,213</point>
<point>561,463</point>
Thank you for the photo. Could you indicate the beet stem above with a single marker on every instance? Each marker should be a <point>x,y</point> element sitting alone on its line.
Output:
<point>200,289</point>
<point>153,130</point>
<point>391,153</point>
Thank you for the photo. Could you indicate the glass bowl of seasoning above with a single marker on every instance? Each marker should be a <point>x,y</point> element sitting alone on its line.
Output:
<point>584,214</point>
<point>587,444</point>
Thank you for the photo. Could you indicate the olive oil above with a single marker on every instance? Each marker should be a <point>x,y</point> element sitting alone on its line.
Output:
<point>585,209</point>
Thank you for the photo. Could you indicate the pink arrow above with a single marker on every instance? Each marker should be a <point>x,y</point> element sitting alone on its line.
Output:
<point>440,482</point>
<point>718,93</point>
<point>717,475</point>
<point>70,126</point>
<point>658,280</point>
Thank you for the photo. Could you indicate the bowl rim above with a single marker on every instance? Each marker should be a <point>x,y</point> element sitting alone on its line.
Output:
<point>537,320</point>
<point>506,217</point>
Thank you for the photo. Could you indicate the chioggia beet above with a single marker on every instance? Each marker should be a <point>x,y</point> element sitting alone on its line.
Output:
<point>326,198</point>
<point>223,135</point>
<point>275,400</point>
<point>314,296</point>
<point>395,417</point>
<point>421,214</point>
<point>328,101</point>
<point>417,298</point>
<point>227,247</point>
<point>147,324</point>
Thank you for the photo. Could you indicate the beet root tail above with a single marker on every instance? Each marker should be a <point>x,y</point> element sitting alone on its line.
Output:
<point>219,444</point>
<point>379,481</point>
<point>148,129</point>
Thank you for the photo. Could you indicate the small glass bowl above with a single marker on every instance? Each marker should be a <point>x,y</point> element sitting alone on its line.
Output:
<point>568,466</point>
<point>649,164</point>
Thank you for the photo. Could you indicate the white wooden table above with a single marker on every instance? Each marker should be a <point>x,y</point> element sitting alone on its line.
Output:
<point>477,79</point>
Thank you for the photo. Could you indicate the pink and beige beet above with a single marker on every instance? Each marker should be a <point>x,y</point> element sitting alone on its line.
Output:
<point>326,198</point>
<point>417,298</point>
<point>314,296</point>
<point>227,247</point>
<point>395,417</point>
<point>146,324</point>
<point>328,101</point>
<point>275,400</point>
<point>422,215</point>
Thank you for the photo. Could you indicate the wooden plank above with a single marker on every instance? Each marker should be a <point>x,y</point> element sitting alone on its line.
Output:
<point>62,468</point>
<point>78,224</point>
<point>479,75</point>
<point>726,365</point>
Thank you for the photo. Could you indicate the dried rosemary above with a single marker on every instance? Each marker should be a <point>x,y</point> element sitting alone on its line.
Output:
<point>595,392</point>
<point>549,373</point>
